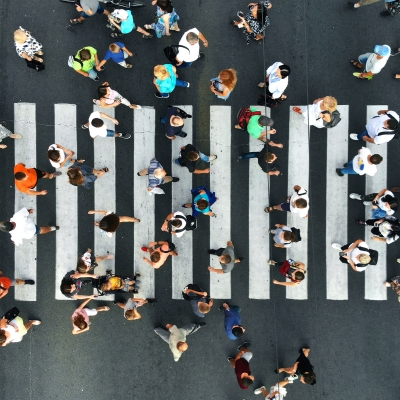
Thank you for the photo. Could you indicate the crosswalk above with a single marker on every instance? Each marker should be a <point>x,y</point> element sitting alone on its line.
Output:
<point>222,119</point>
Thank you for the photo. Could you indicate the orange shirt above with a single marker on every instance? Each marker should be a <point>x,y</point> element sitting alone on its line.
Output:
<point>30,182</point>
<point>5,282</point>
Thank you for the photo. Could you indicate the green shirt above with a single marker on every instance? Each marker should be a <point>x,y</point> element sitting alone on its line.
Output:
<point>253,128</point>
<point>87,64</point>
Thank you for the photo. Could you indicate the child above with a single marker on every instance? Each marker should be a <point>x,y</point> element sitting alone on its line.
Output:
<point>118,53</point>
<point>123,21</point>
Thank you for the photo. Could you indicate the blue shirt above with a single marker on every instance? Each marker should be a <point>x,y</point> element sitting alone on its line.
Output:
<point>153,181</point>
<point>117,57</point>
<point>128,24</point>
<point>232,318</point>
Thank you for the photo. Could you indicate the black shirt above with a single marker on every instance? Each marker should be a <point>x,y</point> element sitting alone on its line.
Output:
<point>170,130</point>
<point>184,162</point>
<point>265,166</point>
<point>71,281</point>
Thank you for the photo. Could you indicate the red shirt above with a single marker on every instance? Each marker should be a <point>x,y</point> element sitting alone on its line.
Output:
<point>241,366</point>
<point>5,282</point>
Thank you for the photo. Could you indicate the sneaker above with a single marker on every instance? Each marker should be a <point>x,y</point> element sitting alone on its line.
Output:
<point>271,262</point>
<point>351,5</point>
<point>158,95</point>
<point>174,179</point>
<point>201,54</point>
<point>211,251</point>
<point>29,282</point>
<point>84,126</point>
<point>35,322</point>
<point>259,390</point>
<point>183,134</point>
<point>231,358</point>
<point>128,66</point>
<point>244,345</point>
<point>56,227</point>
<point>291,378</point>
<point>398,260</point>
<point>337,246</point>
<point>339,172</point>
<point>96,79</point>
<point>353,136</point>
<point>367,203</point>
<point>102,68</point>
<point>188,84</point>
<point>54,174</point>
<point>125,135</point>
<point>360,222</point>
<point>151,300</point>
<point>202,323</point>
<point>355,196</point>
<point>144,248</point>
<point>135,291</point>
<point>147,36</point>
<point>239,158</point>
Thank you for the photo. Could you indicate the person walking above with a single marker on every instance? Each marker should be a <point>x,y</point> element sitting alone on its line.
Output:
<point>372,63</point>
<point>201,304</point>
<point>224,83</point>
<point>177,223</point>
<point>265,158</point>
<point>118,53</point>
<point>293,270</point>
<point>320,113</point>
<point>27,46</point>
<point>110,222</point>
<point>174,122</point>
<point>203,200</point>
<point>356,254</point>
<point>5,133</point>
<point>226,258</point>
<point>166,18</point>
<point>80,317</point>
<point>176,337</point>
<point>392,6</point>
<point>191,158</point>
<point>383,203</point>
<point>131,305</point>
<point>109,98</point>
<point>82,175</point>
<point>87,8</point>
<point>26,179</point>
<point>364,163</point>
<point>241,365</point>
<point>87,262</point>
<point>379,129</point>
<point>297,203</point>
<point>20,227</point>
<point>85,63</point>
<point>6,283</point>
<point>189,50</point>
<point>159,252</point>
<point>73,282</point>
<point>98,127</point>
<point>59,156</point>
<point>386,230</point>
<point>276,392</point>
<point>13,331</point>
<point>232,321</point>
<point>122,20</point>
<point>165,80</point>
<point>256,125</point>
<point>283,236</point>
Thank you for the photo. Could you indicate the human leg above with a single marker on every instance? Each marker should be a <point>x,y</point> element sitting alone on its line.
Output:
<point>93,74</point>
<point>128,219</point>
<point>366,2</point>
<point>91,312</point>
<point>143,172</point>
<point>164,334</point>
<point>203,157</point>
<point>192,328</point>
<point>361,135</point>
<point>31,322</point>
<point>46,229</point>
<point>349,170</point>
<point>253,154</point>
<point>368,197</point>
<point>181,83</point>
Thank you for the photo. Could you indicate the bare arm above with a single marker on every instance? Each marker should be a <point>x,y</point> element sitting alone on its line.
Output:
<point>203,39</point>
<point>97,212</point>
<point>204,294</point>
<point>4,293</point>
<point>202,171</point>
<point>77,332</point>
<point>36,193</point>
<point>82,306</point>
<point>285,283</point>
<point>216,270</point>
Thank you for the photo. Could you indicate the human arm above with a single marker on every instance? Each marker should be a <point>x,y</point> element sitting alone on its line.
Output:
<point>78,275</point>
<point>229,243</point>
<point>5,291</point>
<point>145,259</point>
<point>380,112</point>
<point>164,226</point>
<point>353,246</point>
<point>203,39</point>
<point>129,53</point>
<point>285,283</point>
<point>77,332</point>
<point>82,297</point>
<point>216,270</point>
<point>79,71</point>
<point>97,212</point>
<point>99,65</point>
<point>381,193</point>
<point>223,93</point>
<point>273,144</point>
<point>36,193</point>
<point>203,294</point>
<point>351,263</point>
<point>202,171</point>
<point>271,131</point>
<point>102,115</point>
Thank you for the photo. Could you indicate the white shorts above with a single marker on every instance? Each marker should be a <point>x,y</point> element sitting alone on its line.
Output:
<point>247,356</point>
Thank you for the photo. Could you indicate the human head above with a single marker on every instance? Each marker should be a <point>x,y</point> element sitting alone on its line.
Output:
<point>299,275</point>
<point>176,223</point>
<point>3,337</point>
<point>301,203</point>
<point>97,122</point>
<point>391,124</point>
<point>81,267</point>
<point>381,51</point>
<point>53,155</point>
<point>131,315</point>
<point>192,155</point>
<point>6,226</point>
<point>159,173</point>
<point>114,48</point>
<point>329,103</point>
<point>238,330</point>
<point>376,159</point>
<point>105,286</point>
<point>160,72</point>
<point>192,38</point>
<point>365,258</point>
<point>269,157</point>
<point>204,308</point>
<point>176,121</point>
<point>228,78</point>
<point>309,378</point>
<point>19,36</point>
<point>75,176</point>
<point>20,176</point>
<point>109,223</point>
<point>84,54</point>
<point>165,5</point>
<point>225,259</point>
<point>120,14</point>
<point>265,121</point>
<point>289,236</point>
<point>67,288</point>
<point>246,380</point>
<point>155,257</point>
<point>285,70</point>
<point>102,91</point>
<point>390,200</point>
<point>202,204</point>
<point>182,346</point>
<point>79,322</point>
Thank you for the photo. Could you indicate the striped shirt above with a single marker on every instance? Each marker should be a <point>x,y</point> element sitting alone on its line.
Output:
<point>153,181</point>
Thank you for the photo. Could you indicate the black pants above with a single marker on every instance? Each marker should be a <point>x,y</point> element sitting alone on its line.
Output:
<point>368,197</point>
<point>219,252</point>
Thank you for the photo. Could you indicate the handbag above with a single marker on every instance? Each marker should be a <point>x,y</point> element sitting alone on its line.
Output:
<point>171,52</point>
<point>11,314</point>
<point>35,65</point>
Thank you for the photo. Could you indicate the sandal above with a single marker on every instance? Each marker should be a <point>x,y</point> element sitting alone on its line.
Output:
<point>38,59</point>
<point>296,110</point>
<point>105,169</point>
<point>103,308</point>
<point>268,209</point>
<point>148,26</point>
<point>116,35</point>
<point>75,21</point>
<point>356,64</point>
<point>147,36</point>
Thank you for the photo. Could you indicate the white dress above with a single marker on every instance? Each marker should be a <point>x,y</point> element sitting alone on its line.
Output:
<point>311,114</point>
<point>30,47</point>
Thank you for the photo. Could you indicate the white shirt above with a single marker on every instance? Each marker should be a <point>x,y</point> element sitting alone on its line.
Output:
<point>374,64</point>
<point>93,131</point>
<point>177,335</point>
<point>25,228</point>
<point>281,392</point>
<point>57,164</point>
<point>276,85</point>
<point>179,234</point>
<point>382,205</point>
<point>194,49</point>
<point>356,252</point>
<point>301,194</point>
<point>375,126</point>
<point>361,159</point>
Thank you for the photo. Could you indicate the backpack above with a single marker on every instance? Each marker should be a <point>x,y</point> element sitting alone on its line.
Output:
<point>191,224</point>
<point>72,59</point>
<point>191,286</point>
<point>296,233</point>
<point>372,253</point>
<point>244,116</point>
<point>335,119</point>
<point>395,132</point>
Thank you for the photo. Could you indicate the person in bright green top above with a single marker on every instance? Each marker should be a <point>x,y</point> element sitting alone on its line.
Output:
<point>256,126</point>
<point>85,62</point>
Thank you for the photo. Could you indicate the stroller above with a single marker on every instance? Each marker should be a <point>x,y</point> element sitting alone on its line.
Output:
<point>124,280</point>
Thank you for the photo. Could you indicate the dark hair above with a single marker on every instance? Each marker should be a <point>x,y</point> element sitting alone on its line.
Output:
<point>246,381</point>
<point>84,54</point>
<point>309,379</point>
<point>192,155</point>
<point>6,226</point>
<point>225,259</point>
<point>155,257</point>
<point>202,204</point>
<point>53,155</point>
<point>262,13</point>
<point>376,159</point>
<point>79,321</point>
<point>19,176</point>
<point>81,266</point>
<point>109,223</point>
<point>299,275</point>
<point>97,122</point>
<point>165,5</point>
<point>3,337</point>
<point>75,176</point>
<point>238,331</point>
<point>391,200</point>
<point>104,287</point>
<point>392,124</point>
<point>66,287</point>
<point>285,70</point>
<point>289,236</point>
<point>301,203</point>
<point>176,223</point>
<point>268,157</point>
<point>102,91</point>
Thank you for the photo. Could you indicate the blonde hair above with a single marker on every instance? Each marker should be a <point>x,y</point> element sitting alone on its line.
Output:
<point>365,258</point>
<point>20,36</point>
<point>161,72</point>
<point>204,308</point>
<point>114,48</point>
<point>131,315</point>
<point>228,78</point>
<point>330,103</point>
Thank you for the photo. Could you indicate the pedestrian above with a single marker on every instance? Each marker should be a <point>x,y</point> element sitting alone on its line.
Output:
<point>356,254</point>
<point>276,80</point>
<point>255,21</point>
<point>27,46</point>
<point>379,129</point>
<point>386,229</point>
<point>383,203</point>
<point>85,62</point>
<point>109,98</point>
<point>224,83</point>
<point>165,80</point>
<point>166,18</point>
<point>20,226</point>
<point>13,331</point>
<point>156,175</point>
<point>364,163</point>
<point>87,8</point>
<point>174,122</point>
<point>276,392</point>
<point>118,53</point>
<point>110,222</point>
<point>201,304</point>
<point>232,321</point>
<point>176,337</point>
<point>394,283</point>
<point>191,158</point>
<point>73,282</point>
<point>98,127</point>
<point>189,50</point>
<point>203,200</point>
<point>88,262</point>
<point>130,307</point>
<point>6,283</point>
<point>159,252</point>
<point>177,223</point>
<point>5,133</point>
<point>297,203</point>
<point>283,236</point>
<point>26,179</point>
<point>241,365</point>
<point>372,63</point>
<point>59,156</point>
<point>80,317</point>
<point>256,123</point>
<point>318,114</point>
<point>392,6</point>
<point>302,368</point>
<point>82,175</point>
<point>265,158</point>
<point>122,20</point>
<point>226,258</point>
<point>295,271</point>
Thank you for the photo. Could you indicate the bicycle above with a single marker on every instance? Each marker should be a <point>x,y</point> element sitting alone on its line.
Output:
<point>115,3</point>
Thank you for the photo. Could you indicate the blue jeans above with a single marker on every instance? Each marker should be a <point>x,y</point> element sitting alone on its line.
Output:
<point>100,10</point>
<point>181,83</point>
<point>363,58</point>
<point>92,73</point>
<point>184,64</point>
<point>349,169</point>
<point>360,135</point>
<point>253,154</point>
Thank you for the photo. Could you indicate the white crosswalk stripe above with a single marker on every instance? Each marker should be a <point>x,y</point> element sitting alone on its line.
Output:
<point>222,119</point>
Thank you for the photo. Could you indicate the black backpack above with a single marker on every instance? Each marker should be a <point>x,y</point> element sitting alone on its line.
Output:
<point>191,286</point>
<point>191,224</point>
<point>296,234</point>
<point>372,253</point>
<point>396,132</point>
<point>335,119</point>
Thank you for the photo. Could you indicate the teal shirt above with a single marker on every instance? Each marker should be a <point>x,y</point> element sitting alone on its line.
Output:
<point>253,129</point>
<point>167,85</point>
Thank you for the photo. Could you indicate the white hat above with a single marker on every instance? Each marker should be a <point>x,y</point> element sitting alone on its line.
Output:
<point>121,14</point>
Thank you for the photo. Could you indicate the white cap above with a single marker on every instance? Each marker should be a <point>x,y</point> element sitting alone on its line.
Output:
<point>121,14</point>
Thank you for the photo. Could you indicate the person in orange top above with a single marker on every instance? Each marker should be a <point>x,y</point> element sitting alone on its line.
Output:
<point>6,283</point>
<point>26,179</point>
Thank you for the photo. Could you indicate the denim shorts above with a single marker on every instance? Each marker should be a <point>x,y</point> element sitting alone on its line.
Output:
<point>110,133</point>
<point>37,230</point>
